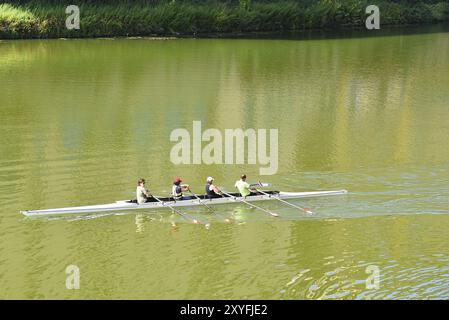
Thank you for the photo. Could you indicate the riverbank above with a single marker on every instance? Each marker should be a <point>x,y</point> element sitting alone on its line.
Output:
<point>46,19</point>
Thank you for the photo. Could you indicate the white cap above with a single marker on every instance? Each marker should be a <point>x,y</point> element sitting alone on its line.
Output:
<point>209,179</point>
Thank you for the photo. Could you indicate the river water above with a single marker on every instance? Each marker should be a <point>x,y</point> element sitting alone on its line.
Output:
<point>81,120</point>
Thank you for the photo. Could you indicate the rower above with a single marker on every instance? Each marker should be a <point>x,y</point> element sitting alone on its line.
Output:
<point>244,187</point>
<point>178,189</point>
<point>211,190</point>
<point>142,194</point>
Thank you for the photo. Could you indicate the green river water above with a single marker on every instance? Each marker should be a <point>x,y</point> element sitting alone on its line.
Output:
<point>81,120</point>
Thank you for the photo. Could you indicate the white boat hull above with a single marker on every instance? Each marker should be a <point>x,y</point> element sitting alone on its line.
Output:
<point>126,205</point>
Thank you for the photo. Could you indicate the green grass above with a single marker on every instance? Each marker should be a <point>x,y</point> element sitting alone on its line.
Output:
<point>109,18</point>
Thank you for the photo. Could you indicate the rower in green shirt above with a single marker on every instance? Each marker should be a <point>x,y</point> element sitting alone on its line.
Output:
<point>244,187</point>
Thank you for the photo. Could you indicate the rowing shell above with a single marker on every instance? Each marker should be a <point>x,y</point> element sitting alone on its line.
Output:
<point>166,202</point>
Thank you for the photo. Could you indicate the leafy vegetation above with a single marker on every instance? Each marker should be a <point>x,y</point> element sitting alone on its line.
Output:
<point>108,18</point>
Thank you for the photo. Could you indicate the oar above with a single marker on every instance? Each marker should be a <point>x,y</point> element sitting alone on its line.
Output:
<point>250,204</point>
<point>199,200</point>
<point>283,201</point>
<point>208,207</point>
<point>177,211</point>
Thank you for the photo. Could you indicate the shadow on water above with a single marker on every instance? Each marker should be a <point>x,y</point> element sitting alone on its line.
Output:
<point>340,33</point>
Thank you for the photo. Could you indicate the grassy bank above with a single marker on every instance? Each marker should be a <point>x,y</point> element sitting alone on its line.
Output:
<point>109,18</point>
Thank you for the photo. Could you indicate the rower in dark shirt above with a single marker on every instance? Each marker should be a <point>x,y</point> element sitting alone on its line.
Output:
<point>211,190</point>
